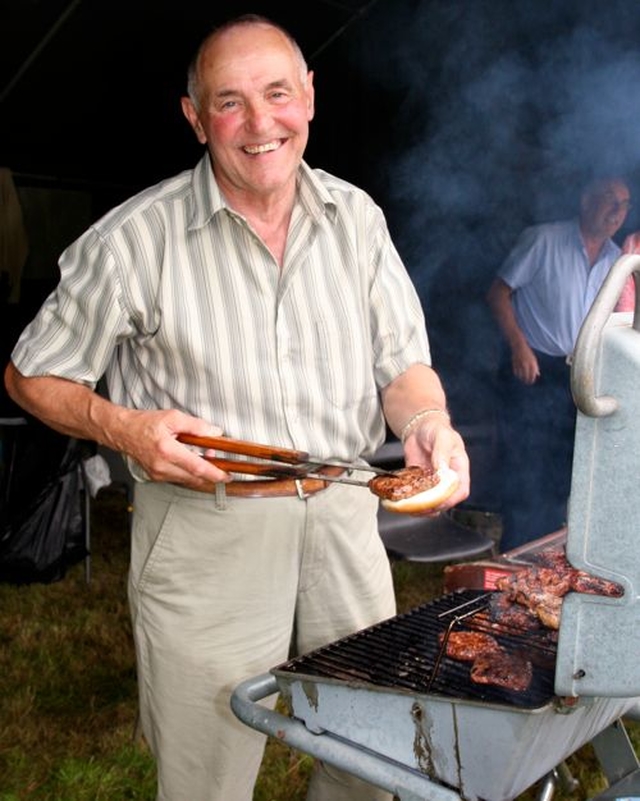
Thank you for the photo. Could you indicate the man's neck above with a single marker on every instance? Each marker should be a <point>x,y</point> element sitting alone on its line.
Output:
<point>268,215</point>
<point>593,245</point>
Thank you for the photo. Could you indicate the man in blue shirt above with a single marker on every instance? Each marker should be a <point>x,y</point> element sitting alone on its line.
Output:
<point>539,299</point>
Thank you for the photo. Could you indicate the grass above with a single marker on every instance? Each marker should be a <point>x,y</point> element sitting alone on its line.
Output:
<point>68,703</point>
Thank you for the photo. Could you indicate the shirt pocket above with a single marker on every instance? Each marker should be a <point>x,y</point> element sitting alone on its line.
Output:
<point>343,365</point>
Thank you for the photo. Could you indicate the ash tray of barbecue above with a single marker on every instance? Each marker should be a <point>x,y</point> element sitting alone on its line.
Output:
<point>414,489</point>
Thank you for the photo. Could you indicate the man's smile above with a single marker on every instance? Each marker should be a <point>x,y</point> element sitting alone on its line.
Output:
<point>255,150</point>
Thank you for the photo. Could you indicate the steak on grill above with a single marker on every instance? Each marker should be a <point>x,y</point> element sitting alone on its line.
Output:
<point>465,646</point>
<point>504,669</point>
<point>542,586</point>
<point>491,664</point>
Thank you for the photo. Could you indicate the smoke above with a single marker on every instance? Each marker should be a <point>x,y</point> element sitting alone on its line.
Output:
<point>503,107</point>
<point>501,110</point>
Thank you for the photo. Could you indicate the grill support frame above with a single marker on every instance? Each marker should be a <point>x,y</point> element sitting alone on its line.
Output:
<point>612,746</point>
<point>407,784</point>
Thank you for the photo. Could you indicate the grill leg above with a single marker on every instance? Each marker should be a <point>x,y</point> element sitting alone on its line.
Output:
<point>569,782</point>
<point>560,774</point>
<point>548,787</point>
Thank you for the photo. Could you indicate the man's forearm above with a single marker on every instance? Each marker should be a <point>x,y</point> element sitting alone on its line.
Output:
<point>418,389</point>
<point>499,300</point>
<point>66,406</point>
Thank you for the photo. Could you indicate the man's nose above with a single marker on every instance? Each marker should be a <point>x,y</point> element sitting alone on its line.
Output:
<point>257,116</point>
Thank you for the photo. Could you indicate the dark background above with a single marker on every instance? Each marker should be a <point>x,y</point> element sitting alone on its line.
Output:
<point>465,119</point>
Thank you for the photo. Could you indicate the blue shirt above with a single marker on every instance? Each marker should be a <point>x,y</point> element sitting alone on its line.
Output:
<point>553,284</point>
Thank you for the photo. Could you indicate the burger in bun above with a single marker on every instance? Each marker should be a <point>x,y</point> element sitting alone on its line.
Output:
<point>414,489</point>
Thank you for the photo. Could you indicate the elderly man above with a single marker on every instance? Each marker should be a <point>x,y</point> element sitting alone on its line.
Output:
<point>257,297</point>
<point>540,298</point>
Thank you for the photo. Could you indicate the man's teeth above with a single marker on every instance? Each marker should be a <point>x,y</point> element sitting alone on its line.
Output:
<point>253,149</point>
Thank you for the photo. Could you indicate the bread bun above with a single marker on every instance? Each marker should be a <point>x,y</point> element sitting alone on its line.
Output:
<point>414,489</point>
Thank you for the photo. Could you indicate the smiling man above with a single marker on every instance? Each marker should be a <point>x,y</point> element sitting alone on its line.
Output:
<point>540,298</point>
<point>251,100</point>
<point>256,297</point>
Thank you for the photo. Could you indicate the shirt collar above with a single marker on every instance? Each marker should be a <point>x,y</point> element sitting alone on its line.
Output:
<point>609,248</point>
<point>208,200</point>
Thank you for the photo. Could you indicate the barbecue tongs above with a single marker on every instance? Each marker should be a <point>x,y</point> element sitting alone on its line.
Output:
<point>279,462</point>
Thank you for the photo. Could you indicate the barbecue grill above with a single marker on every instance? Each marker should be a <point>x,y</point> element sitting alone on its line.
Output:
<point>389,706</point>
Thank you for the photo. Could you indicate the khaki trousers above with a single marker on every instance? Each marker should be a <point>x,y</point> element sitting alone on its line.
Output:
<point>221,592</point>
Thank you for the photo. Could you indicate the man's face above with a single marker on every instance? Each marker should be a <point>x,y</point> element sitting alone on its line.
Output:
<point>254,111</point>
<point>605,209</point>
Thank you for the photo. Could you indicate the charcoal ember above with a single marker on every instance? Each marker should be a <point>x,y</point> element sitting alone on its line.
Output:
<point>510,670</point>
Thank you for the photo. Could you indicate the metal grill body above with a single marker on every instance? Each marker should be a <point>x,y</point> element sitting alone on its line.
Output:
<point>599,647</point>
<point>376,689</point>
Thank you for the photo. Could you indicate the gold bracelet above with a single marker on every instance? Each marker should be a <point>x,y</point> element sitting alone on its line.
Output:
<point>416,418</point>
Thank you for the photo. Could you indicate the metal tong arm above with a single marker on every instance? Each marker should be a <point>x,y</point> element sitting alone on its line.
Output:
<point>283,456</point>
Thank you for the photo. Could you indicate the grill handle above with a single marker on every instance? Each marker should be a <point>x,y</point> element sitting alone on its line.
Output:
<point>583,367</point>
<point>369,766</point>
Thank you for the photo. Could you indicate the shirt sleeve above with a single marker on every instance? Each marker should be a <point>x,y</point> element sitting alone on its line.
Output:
<point>77,328</point>
<point>524,259</point>
<point>398,325</point>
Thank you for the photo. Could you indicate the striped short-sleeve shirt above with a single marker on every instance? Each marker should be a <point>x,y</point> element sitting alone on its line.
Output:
<point>175,298</point>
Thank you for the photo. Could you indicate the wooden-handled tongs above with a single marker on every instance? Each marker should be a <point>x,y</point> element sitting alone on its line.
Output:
<point>278,462</point>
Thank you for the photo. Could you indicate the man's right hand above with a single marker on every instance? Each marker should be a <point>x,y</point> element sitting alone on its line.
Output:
<point>525,364</point>
<point>150,438</point>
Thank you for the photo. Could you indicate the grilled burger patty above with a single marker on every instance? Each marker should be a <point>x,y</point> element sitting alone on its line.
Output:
<point>404,483</point>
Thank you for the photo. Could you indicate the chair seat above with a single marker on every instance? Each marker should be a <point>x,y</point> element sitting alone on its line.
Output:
<point>430,539</point>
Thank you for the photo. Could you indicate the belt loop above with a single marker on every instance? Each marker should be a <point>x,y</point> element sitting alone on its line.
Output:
<point>300,490</point>
<point>221,496</point>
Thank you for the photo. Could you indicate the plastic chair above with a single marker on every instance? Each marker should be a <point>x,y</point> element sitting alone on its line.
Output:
<point>430,539</point>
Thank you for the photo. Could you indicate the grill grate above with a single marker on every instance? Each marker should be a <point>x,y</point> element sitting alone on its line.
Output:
<point>402,653</point>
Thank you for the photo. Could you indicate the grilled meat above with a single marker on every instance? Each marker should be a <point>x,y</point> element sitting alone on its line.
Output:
<point>404,483</point>
<point>504,614</point>
<point>594,585</point>
<point>542,586</point>
<point>491,664</point>
<point>528,600</point>
<point>579,580</point>
<point>501,668</point>
<point>465,646</point>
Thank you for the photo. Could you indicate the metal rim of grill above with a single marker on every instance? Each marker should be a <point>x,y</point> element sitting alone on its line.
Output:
<point>402,652</point>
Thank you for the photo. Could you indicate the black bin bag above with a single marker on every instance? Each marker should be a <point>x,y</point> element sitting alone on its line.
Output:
<point>42,520</point>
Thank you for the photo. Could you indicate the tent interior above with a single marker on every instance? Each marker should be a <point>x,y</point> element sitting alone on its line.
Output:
<point>464,121</point>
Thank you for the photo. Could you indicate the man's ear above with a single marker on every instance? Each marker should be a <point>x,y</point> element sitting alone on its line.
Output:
<point>190,112</point>
<point>311,108</point>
